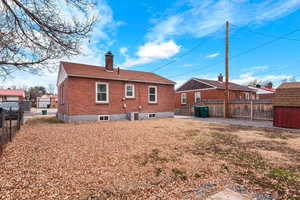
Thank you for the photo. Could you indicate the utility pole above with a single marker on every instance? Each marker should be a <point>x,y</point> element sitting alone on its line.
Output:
<point>227,115</point>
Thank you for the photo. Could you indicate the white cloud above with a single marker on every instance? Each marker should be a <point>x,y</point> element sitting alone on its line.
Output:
<point>249,77</point>
<point>123,50</point>
<point>158,50</point>
<point>94,48</point>
<point>165,28</point>
<point>152,51</point>
<point>213,55</point>
<point>205,17</point>
<point>277,9</point>
<point>260,68</point>
<point>187,65</point>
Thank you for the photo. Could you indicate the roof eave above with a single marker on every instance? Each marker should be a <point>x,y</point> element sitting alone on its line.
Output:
<point>121,79</point>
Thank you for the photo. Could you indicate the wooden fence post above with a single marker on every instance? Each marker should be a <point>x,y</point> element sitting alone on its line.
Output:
<point>10,125</point>
<point>251,113</point>
<point>2,127</point>
<point>19,119</point>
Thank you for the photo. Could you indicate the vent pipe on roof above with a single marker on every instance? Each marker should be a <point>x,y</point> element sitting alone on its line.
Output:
<point>118,70</point>
<point>109,61</point>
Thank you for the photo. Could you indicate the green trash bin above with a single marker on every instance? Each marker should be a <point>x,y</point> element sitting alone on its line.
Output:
<point>197,111</point>
<point>44,112</point>
<point>203,111</point>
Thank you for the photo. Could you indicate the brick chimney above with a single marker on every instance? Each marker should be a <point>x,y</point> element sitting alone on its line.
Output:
<point>109,61</point>
<point>270,85</point>
<point>220,78</point>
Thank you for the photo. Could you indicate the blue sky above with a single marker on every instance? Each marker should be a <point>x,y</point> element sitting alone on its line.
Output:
<point>144,35</point>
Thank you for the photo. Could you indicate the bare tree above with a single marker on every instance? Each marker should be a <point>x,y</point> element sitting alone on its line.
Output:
<point>33,33</point>
<point>51,88</point>
<point>254,82</point>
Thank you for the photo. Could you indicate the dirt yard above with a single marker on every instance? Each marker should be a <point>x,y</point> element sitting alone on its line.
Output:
<point>151,159</point>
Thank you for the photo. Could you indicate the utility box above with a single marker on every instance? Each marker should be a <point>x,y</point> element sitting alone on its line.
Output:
<point>133,116</point>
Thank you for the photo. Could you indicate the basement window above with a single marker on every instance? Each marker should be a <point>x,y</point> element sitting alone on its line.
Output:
<point>151,115</point>
<point>103,117</point>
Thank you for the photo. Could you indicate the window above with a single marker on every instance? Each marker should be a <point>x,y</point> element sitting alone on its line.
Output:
<point>152,94</point>
<point>183,98</point>
<point>197,97</point>
<point>129,91</point>
<point>102,92</point>
<point>151,115</point>
<point>247,96</point>
<point>104,118</point>
<point>61,94</point>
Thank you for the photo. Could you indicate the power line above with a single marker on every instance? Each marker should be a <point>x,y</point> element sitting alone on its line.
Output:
<point>262,34</point>
<point>251,49</point>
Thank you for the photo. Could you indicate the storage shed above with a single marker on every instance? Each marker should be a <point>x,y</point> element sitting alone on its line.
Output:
<point>287,105</point>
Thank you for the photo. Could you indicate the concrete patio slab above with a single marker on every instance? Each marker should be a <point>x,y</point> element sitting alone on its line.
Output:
<point>233,121</point>
<point>228,195</point>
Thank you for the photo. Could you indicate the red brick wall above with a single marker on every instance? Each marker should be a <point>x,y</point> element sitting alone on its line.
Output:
<point>206,95</point>
<point>266,96</point>
<point>80,98</point>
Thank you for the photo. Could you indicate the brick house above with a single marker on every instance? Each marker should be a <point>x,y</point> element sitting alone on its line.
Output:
<point>264,92</point>
<point>12,95</point>
<point>87,92</point>
<point>196,90</point>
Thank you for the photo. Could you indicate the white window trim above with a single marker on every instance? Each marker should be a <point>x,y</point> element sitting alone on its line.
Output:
<point>156,93</point>
<point>107,91</point>
<point>196,96</point>
<point>151,114</point>
<point>62,94</point>
<point>103,116</point>
<point>181,98</point>
<point>133,91</point>
<point>247,96</point>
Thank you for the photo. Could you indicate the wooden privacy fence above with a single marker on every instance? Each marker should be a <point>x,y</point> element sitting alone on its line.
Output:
<point>245,109</point>
<point>10,123</point>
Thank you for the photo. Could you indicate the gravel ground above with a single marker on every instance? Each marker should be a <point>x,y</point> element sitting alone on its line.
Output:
<point>151,159</point>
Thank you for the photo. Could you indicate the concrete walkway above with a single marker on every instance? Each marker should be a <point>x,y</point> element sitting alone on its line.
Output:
<point>241,122</point>
<point>228,195</point>
<point>37,112</point>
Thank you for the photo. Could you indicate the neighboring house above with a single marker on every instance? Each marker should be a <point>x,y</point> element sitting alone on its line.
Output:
<point>46,101</point>
<point>12,95</point>
<point>286,105</point>
<point>262,92</point>
<point>87,92</point>
<point>53,101</point>
<point>43,101</point>
<point>196,90</point>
